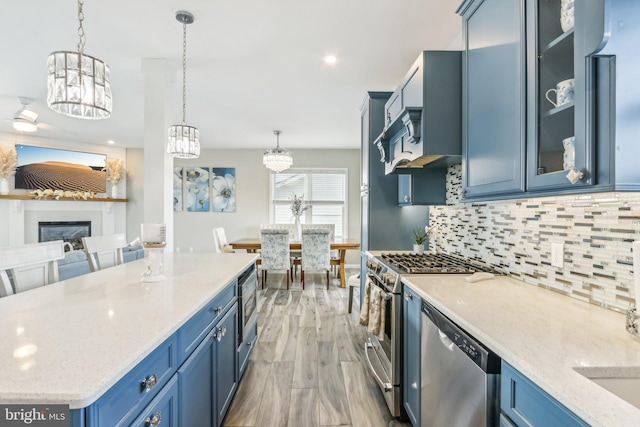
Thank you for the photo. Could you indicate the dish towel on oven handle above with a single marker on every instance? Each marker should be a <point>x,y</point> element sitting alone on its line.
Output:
<point>364,312</point>
<point>379,306</point>
<point>374,309</point>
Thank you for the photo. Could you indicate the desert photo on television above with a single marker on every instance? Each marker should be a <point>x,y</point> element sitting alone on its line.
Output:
<point>50,168</point>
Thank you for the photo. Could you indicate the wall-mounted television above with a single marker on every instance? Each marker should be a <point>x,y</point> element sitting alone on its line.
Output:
<point>56,169</point>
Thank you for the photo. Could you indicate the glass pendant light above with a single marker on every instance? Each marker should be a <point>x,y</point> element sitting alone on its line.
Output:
<point>184,141</point>
<point>79,85</point>
<point>277,159</point>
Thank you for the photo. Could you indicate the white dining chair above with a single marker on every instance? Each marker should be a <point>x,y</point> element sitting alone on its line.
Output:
<point>316,243</point>
<point>104,251</point>
<point>29,266</point>
<point>220,240</point>
<point>275,252</point>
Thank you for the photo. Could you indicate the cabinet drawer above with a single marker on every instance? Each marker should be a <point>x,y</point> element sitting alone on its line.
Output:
<point>125,400</point>
<point>526,404</point>
<point>163,409</point>
<point>192,332</point>
<point>245,347</point>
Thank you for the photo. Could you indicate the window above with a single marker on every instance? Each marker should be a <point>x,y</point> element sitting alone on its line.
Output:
<point>325,190</point>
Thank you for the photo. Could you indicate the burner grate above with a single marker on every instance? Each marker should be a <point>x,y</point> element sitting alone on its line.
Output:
<point>432,263</point>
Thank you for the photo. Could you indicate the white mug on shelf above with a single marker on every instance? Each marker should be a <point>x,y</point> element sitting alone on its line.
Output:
<point>566,15</point>
<point>564,92</point>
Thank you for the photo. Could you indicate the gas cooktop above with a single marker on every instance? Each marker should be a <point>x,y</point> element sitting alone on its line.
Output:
<point>431,263</point>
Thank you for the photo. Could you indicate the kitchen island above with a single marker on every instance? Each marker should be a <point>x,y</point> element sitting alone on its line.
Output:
<point>545,336</point>
<point>70,342</point>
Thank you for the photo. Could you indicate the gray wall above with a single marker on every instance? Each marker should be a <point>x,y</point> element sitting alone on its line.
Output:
<point>192,230</point>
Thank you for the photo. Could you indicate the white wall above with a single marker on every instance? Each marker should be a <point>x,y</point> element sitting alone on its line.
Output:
<point>192,230</point>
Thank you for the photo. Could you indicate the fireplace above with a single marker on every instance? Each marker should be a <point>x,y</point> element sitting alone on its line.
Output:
<point>69,231</point>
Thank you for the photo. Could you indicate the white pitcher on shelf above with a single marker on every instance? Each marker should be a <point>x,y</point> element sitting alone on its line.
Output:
<point>567,15</point>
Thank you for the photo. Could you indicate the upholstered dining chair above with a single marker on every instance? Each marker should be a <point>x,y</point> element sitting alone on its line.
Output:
<point>295,255</point>
<point>315,251</point>
<point>274,252</point>
<point>220,240</point>
<point>334,254</point>
<point>29,266</point>
<point>104,251</point>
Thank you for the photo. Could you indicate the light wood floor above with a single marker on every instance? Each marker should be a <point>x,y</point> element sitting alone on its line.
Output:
<point>307,368</point>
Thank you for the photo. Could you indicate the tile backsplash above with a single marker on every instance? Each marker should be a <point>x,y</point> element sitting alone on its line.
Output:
<point>515,237</point>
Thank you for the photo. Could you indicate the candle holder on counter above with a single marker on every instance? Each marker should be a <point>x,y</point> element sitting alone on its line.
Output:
<point>633,321</point>
<point>154,240</point>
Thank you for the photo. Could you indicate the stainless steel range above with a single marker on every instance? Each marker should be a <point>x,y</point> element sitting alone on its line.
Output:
<point>385,270</point>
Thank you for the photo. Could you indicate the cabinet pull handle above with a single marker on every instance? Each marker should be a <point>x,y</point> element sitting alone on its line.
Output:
<point>148,383</point>
<point>153,421</point>
<point>407,198</point>
<point>218,335</point>
<point>408,296</point>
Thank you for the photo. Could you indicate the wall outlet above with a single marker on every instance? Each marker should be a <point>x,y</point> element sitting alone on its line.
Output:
<point>557,254</point>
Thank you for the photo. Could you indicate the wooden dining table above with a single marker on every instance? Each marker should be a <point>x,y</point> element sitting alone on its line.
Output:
<point>252,244</point>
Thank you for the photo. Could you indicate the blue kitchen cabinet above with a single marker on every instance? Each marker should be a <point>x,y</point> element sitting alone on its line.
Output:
<point>163,409</point>
<point>188,380</point>
<point>226,362</point>
<point>493,94</point>
<point>519,139</point>
<point>411,324</point>
<point>524,404</point>
<point>427,187</point>
<point>195,379</point>
<point>209,377</point>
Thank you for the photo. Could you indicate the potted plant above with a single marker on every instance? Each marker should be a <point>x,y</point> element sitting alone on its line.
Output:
<point>419,237</point>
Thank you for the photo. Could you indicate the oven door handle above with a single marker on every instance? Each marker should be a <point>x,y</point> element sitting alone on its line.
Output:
<point>384,385</point>
<point>376,282</point>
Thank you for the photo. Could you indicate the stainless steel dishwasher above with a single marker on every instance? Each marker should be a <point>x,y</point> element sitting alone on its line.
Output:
<point>460,378</point>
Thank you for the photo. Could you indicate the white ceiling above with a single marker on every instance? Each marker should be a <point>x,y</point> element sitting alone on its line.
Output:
<point>252,65</point>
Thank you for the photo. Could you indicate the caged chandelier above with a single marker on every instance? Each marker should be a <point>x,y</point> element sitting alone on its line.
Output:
<point>79,85</point>
<point>184,141</point>
<point>277,159</point>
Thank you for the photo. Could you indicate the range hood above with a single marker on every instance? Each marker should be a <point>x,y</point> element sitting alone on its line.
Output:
<point>424,116</point>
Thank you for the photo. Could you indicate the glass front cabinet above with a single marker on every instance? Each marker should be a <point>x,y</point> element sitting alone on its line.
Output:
<point>562,91</point>
<point>549,97</point>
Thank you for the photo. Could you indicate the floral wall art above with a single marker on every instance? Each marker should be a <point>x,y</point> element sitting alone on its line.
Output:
<point>196,194</point>
<point>223,189</point>
<point>177,189</point>
<point>204,189</point>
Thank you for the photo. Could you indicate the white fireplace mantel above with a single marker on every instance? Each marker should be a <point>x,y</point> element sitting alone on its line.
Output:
<point>20,217</point>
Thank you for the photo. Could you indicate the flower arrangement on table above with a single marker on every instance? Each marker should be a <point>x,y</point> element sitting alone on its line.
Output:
<point>297,206</point>
<point>57,194</point>
<point>115,170</point>
<point>8,161</point>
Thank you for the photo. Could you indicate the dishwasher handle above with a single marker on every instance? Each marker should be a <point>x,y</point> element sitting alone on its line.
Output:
<point>444,339</point>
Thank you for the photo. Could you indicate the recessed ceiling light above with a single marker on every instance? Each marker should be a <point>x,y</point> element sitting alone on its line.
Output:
<point>111,142</point>
<point>330,59</point>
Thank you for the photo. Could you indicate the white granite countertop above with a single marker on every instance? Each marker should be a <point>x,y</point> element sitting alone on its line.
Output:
<point>70,341</point>
<point>544,335</point>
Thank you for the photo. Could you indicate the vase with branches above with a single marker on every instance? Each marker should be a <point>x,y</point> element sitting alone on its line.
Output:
<point>297,209</point>
<point>115,173</point>
<point>8,165</point>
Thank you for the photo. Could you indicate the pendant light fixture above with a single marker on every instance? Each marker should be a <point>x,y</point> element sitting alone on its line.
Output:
<point>184,141</point>
<point>79,85</point>
<point>277,159</point>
